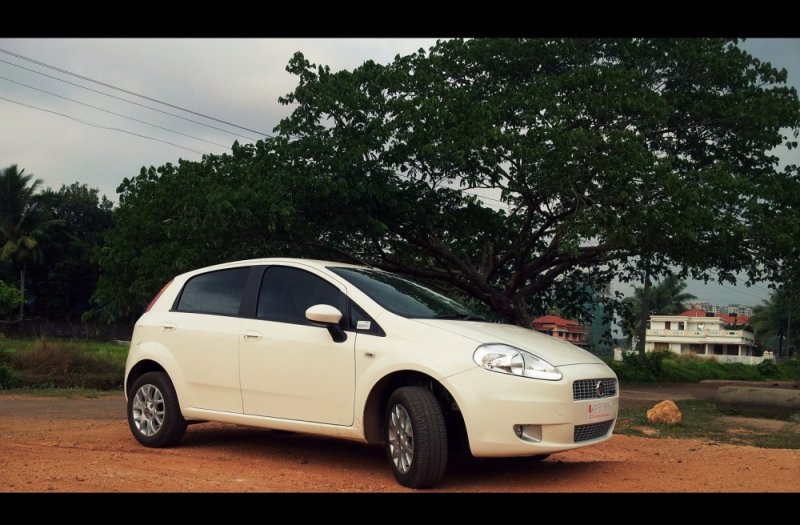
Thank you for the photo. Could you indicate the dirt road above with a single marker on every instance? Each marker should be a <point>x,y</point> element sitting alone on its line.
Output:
<point>81,444</point>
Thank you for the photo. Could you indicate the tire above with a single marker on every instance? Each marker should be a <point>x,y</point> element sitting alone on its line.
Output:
<point>416,437</point>
<point>154,415</point>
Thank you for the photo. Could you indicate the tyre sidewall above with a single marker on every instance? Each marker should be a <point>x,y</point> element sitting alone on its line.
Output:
<point>174,424</point>
<point>413,478</point>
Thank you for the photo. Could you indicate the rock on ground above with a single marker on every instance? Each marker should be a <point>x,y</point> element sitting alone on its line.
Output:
<point>664,412</point>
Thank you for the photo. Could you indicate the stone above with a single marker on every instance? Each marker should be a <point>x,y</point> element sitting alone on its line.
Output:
<point>664,412</point>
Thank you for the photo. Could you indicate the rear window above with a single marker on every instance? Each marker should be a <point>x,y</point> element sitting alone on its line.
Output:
<point>217,292</point>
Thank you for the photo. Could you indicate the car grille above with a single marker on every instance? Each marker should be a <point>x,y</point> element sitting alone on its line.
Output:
<point>587,388</point>
<point>592,430</point>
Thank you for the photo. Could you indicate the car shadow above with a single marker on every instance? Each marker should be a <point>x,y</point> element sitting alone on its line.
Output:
<point>359,459</point>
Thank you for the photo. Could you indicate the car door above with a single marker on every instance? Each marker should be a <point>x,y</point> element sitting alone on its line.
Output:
<point>203,334</point>
<point>288,367</point>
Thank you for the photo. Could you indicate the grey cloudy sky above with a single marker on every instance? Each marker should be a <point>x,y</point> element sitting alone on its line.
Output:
<point>236,80</point>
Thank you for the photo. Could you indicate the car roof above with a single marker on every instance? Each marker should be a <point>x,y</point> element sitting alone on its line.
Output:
<point>313,263</point>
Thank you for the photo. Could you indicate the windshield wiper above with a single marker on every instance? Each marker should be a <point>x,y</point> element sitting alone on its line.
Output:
<point>460,317</point>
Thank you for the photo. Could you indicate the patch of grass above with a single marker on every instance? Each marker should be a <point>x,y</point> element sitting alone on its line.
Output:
<point>702,419</point>
<point>682,368</point>
<point>69,393</point>
<point>54,363</point>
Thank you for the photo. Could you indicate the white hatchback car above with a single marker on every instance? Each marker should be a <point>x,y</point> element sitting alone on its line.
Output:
<point>358,353</point>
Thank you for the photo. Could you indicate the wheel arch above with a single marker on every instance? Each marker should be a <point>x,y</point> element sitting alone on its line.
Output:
<point>138,370</point>
<point>379,396</point>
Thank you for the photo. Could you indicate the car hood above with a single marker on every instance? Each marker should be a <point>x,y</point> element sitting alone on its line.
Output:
<point>554,351</point>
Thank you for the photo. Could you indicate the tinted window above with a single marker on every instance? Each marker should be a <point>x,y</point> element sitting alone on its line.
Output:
<point>286,293</point>
<point>217,292</point>
<point>404,297</point>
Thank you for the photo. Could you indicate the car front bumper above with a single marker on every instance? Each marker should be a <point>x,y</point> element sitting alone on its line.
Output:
<point>508,416</point>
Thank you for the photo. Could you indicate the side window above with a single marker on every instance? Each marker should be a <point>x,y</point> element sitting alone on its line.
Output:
<point>287,292</point>
<point>217,292</point>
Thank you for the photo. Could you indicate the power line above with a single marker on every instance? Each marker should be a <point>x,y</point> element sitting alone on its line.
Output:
<point>114,113</point>
<point>111,86</point>
<point>128,101</point>
<point>98,125</point>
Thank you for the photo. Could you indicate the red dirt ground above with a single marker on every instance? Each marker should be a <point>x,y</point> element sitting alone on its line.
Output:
<point>83,444</point>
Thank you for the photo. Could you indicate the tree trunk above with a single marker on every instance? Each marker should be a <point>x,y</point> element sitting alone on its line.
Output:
<point>788,328</point>
<point>22,292</point>
<point>644,314</point>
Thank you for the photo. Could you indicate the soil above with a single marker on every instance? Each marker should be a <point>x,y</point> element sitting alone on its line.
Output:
<point>84,445</point>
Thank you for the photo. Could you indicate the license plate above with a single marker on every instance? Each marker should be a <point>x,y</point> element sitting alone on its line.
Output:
<point>600,410</point>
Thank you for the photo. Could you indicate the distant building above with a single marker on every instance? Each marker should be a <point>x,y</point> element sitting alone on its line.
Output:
<point>566,329</point>
<point>733,308</point>
<point>722,336</point>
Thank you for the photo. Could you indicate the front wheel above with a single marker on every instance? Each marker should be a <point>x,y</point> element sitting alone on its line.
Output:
<point>154,414</point>
<point>416,437</point>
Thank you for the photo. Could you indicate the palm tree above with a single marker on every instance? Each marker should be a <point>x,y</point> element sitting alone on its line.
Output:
<point>774,318</point>
<point>667,297</point>
<point>22,223</point>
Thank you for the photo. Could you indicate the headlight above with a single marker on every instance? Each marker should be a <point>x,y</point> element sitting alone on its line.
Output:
<point>509,360</point>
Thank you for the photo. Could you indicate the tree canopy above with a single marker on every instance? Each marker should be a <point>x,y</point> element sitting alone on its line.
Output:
<point>598,158</point>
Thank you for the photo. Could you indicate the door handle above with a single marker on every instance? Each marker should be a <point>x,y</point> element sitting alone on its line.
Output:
<point>168,327</point>
<point>251,335</point>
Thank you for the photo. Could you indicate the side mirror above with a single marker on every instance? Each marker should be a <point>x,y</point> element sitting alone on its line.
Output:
<point>326,316</point>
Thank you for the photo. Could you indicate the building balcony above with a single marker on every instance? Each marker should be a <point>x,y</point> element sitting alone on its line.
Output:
<point>711,335</point>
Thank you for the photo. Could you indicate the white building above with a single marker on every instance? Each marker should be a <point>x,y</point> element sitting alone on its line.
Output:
<point>723,336</point>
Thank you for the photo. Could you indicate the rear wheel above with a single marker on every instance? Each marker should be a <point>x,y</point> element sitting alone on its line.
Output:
<point>154,414</point>
<point>416,437</point>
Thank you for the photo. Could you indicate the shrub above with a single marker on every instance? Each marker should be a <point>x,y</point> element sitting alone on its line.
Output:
<point>7,375</point>
<point>10,299</point>
<point>64,365</point>
<point>790,370</point>
<point>666,366</point>
<point>768,368</point>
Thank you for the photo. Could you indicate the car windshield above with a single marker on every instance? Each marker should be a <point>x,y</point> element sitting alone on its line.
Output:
<point>404,297</point>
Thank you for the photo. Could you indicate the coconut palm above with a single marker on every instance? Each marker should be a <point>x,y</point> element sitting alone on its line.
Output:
<point>22,223</point>
<point>667,297</point>
<point>777,316</point>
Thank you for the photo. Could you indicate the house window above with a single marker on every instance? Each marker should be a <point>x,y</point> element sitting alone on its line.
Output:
<point>667,325</point>
<point>681,325</point>
<point>662,347</point>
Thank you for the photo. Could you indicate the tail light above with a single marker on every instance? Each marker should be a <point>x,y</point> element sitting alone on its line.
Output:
<point>157,296</point>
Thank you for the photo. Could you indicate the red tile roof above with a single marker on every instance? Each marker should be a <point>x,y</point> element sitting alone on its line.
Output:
<point>739,319</point>
<point>554,319</point>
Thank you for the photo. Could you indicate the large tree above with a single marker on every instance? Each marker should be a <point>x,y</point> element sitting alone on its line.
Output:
<point>611,157</point>
<point>176,218</point>
<point>63,287</point>
<point>598,158</point>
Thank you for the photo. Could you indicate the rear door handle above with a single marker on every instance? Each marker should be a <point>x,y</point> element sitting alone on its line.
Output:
<point>251,335</point>
<point>168,327</point>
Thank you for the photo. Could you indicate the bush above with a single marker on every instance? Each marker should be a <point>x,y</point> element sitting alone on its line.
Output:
<point>62,365</point>
<point>666,366</point>
<point>768,368</point>
<point>10,299</point>
<point>7,375</point>
<point>790,370</point>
